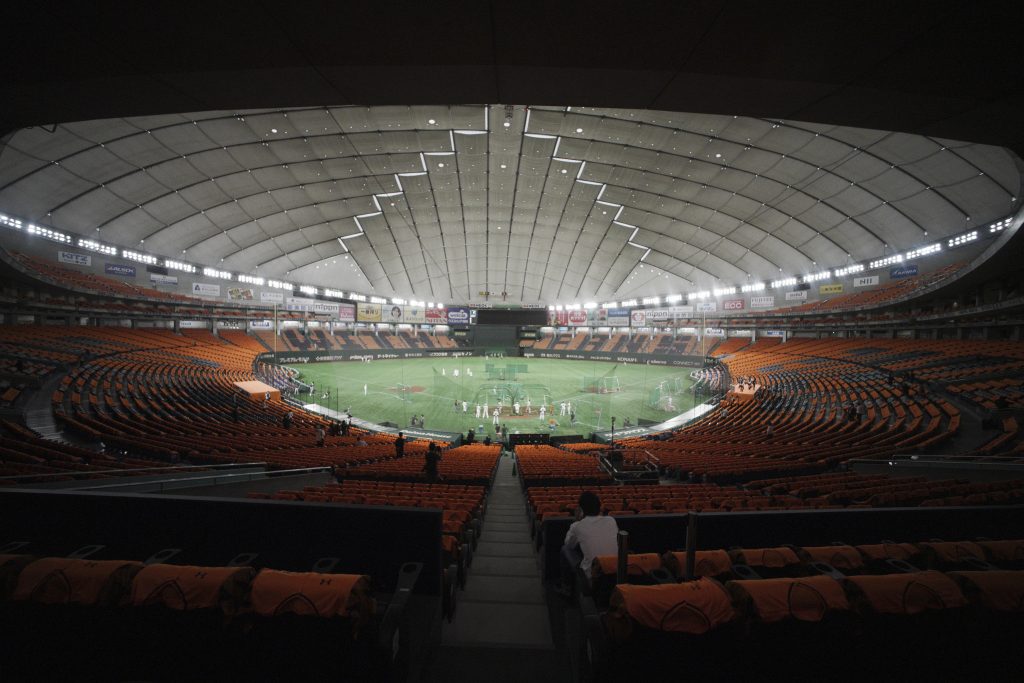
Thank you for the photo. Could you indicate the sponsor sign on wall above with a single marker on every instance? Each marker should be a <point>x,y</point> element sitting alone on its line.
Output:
<point>261,324</point>
<point>558,318</point>
<point>436,316</point>
<point>667,313</point>
<point>638,317</point>
<point>158,279</point>
<point>205,289</point>
<point>707,307</point>
<point>119,269</point>
<point>614,317</point>
<point>241,293</point>
<point>830,289</point>
<point>902,271</point>
<point>797,296</point>
<point>577,318</point>
<point>368,313</point>
<point>391,313</point>
<point>193,324</point>
<point>414,314</point>
<point>272,297</point>
<point>714,332</point>
<point>346,313</point>
<point>762,302</point>
<point>772,333</point>
<point>74,259</point>
<point>865,281</point>
<point>732,305</point>
<point>458,315</point>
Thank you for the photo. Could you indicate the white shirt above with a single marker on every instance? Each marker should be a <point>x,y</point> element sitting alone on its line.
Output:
<point>596,536</point>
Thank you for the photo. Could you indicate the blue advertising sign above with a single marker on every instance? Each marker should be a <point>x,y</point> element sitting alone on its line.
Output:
<point>902,271</point>
<point>458,315</point>
<point>119,269</point>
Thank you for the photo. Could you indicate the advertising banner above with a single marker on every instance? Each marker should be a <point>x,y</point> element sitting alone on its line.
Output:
<point>436,316</point>
<point>368,313</point>
<point>205,289</point>
<point>577,318</point>
<point>637,317</point>
<point>241,294</point>
<point>762,302</point>
<point>865,281</point>
<point>667,314</point>
<point>74,259</point>
<point>902,271</point>
<point>772,333</point>
<point>119,269</point>
<point>346,313</point>
<point>830,289</point>
<point>558,318</point>
<point>733,305</point>
<point>414,314</point>
<point>391,313</point>
<point>797,296</point>
<point>261,324</point>
<point>193,325</point>
<point>714,332</point>
<point>458,315</point>
<point>272,297</point>
<point>706,307</point>
<point>325,308</point>
<point>614,317</point>
<point>158,279</point>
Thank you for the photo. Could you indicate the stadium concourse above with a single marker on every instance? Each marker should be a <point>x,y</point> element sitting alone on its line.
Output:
<point>307,374</point>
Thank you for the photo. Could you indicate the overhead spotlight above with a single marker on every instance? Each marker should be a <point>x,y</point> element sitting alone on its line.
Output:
<point>431,121</point>
<point>273,130</point>
<point>507,124</point>
<point>579,130</point>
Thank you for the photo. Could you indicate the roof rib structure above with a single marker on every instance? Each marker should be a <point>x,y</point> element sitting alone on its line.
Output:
<point>546,204</point>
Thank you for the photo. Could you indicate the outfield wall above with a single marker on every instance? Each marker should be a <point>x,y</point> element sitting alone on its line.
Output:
<point>363,354</point>
<point>648,358</point>
<point>393,354</point>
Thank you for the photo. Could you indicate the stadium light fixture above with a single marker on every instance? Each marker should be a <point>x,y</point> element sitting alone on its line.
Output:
<point>93,245</point>
<point>136,256</point>
<point>651,300</point>
<point>181,265</point>
<point>850,270</point>
<point>923,251</point>
<point>629,302</point>
<point>888,260</point>
<point>308,290</point>
<point>590,305</point>
<point>251,280</point>
<point>963,239</point>
<point>218,274</point>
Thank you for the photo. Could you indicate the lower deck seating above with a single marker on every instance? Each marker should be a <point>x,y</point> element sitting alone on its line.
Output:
<point>468,464</point>
<point>81,619</point>
<point>876,621</point>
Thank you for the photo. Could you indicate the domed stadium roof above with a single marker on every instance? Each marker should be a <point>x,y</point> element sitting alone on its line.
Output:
<point>544,204</point>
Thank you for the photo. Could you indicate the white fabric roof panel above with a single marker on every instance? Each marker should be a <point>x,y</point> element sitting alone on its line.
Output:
<point>713,197</point>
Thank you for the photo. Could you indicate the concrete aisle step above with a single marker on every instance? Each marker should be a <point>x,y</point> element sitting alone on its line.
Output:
<point>503,605</point>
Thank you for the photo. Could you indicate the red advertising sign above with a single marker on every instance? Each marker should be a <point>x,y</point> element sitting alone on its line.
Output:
<point>732,305</point>
<point>437,316</point>
<point>577,318</point>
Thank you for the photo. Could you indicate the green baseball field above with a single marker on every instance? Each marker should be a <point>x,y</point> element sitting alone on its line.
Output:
<point>435,388</point>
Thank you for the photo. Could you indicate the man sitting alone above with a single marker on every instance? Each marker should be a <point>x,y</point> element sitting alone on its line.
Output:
<point>592,535</point>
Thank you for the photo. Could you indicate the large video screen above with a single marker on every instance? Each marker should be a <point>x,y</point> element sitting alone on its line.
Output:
<point>499,316</point>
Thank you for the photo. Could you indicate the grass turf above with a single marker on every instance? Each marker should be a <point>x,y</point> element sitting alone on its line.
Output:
<point>395,390</point>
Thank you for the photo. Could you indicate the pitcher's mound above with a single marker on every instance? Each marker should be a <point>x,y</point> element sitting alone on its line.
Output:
<point>415,389</point>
